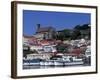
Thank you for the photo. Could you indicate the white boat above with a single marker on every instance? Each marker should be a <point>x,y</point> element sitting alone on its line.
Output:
<point>57,63</point>
<point>31,64</point>
<point>25,64</point>
<point>74,63</point>
<point>42,63</point>
<point>34,64</point>
<point>46,63</point>
<point>77,60</point>
<point>51,63</point>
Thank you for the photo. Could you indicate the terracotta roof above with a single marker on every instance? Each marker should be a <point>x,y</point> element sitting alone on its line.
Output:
<point>32,37</point>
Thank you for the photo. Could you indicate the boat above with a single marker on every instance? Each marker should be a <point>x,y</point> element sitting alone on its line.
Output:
<point>47,63</point>
<point>73,63</point>
<point>33,62</point>
<point>42,63</point>
<point>58,63</point>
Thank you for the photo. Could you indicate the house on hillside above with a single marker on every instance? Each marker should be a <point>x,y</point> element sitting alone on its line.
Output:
<point>44,32</point>
<point>29,40</point>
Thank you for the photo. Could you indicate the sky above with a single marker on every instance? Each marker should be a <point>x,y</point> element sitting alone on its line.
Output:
<point>58,20</point>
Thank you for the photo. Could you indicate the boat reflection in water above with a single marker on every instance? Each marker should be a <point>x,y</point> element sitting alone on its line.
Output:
<point>38,64</point>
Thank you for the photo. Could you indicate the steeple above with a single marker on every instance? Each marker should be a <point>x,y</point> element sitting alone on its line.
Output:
<point>38,26</point>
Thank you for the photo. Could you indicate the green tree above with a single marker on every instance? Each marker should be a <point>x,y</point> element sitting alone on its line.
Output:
<point>64,34</point>
<point>61,48</point>
<point>76,34</point>
<point>79,30</point>
<point>82,27</point>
